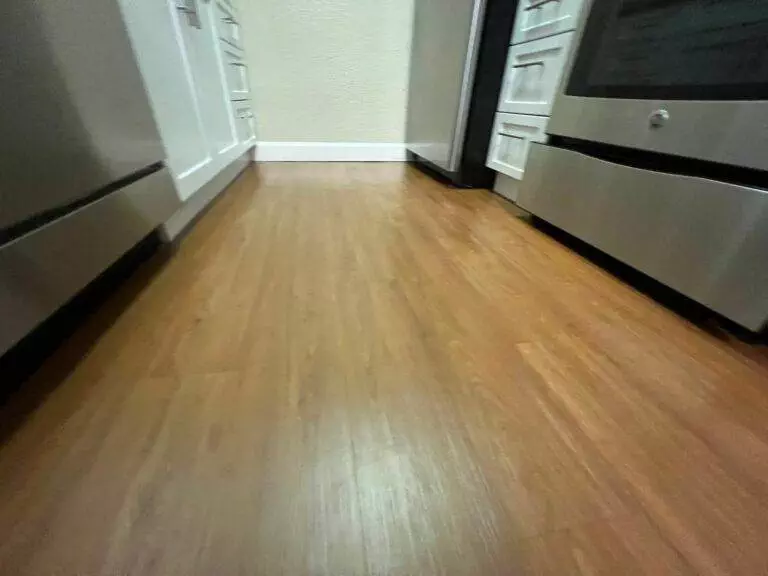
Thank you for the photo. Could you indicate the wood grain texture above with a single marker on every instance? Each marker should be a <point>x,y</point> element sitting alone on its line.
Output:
<point>351,369</point>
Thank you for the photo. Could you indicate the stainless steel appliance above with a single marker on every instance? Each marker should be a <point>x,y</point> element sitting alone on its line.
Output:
<point>457,64</point>
<point>82,177</point>
<point>684,77</point>
<point>659,147</point>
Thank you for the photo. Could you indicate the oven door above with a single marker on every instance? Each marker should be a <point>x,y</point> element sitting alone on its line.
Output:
<point>683,77</point>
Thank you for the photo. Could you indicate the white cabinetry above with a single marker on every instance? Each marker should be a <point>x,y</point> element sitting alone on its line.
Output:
<point>511,141</point>
<point>541,18</point>
<point>542,40</point>
<point>186,50</point>
<point>533,74</point>
<point>227,24</point>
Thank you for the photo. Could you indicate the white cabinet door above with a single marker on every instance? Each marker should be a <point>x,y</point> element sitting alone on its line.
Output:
<point>540,18</point>
<point>191,85</point>
<point>202,47</point>
<point>208,68</point>
<point>533,74</point>
<point>511,142</point>
<point>156,33</point>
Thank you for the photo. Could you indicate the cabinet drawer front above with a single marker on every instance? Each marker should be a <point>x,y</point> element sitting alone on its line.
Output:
<point>533,74</point>
<point>511,142</point>
<point>227,25</point>
<point>237,76</point>
<point>541,18</point>
<point>243,120</point>
<point>704,238</point>
<point>244,128</point>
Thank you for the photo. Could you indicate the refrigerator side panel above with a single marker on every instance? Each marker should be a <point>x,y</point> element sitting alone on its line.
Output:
<point>441,77</point>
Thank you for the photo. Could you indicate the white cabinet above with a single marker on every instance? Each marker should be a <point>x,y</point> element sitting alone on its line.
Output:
<point>195,43</point>
<point>533,74</point>
<point>170,85</point>
<point>243,120</point>
<point>542,40</point>
<point>541,18</point>
<point>227,24</point>
<point>511,141</point>
<point>234,88</point>
<point>183,49</point>
<point>236,72</point>
<point>210,82</point>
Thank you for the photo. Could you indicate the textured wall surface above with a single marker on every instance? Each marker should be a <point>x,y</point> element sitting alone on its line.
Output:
<point>328,70</point>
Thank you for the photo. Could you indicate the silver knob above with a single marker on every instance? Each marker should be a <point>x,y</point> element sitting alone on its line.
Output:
<point>658,118</point>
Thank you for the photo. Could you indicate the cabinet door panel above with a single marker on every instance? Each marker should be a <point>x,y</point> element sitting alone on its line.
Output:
<point>511,142</point>
<point>540,18</point>
<point>156,28</point>
<point>236,75</point>
<point>187,70</point>
<point>203,47</point>
<point>533,74</point>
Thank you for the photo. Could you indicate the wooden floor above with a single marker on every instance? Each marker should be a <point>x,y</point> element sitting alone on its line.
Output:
<point>351,369</point>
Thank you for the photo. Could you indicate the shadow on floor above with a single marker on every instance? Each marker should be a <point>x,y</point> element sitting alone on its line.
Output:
<point>704,318</point>
<point>40,362</point>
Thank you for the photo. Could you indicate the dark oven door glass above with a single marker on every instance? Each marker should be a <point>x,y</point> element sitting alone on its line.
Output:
<point>674,50</point>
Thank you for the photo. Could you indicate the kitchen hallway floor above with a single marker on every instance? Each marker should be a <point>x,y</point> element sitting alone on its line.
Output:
<point>352,369</point>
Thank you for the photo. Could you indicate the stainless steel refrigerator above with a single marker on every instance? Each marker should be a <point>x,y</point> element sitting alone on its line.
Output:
<point>458,54</point>
<point>82,177</point>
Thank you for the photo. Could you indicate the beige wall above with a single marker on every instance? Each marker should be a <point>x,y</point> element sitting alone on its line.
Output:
<point>328,70</point>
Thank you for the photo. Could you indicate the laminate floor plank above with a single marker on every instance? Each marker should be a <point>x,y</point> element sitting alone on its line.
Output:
<point>353,369</point>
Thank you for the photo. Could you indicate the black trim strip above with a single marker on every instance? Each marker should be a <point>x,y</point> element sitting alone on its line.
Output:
<point>40,219</point>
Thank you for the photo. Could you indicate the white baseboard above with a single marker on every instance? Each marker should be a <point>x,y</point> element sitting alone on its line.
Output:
<point>328,152</point>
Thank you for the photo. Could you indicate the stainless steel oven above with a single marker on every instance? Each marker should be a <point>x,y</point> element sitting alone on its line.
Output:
<point>683,77</point>
<point>659,148</point>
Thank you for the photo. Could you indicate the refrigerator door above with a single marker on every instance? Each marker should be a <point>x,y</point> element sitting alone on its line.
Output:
<point>446,35</point>
<point>73,111</point>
